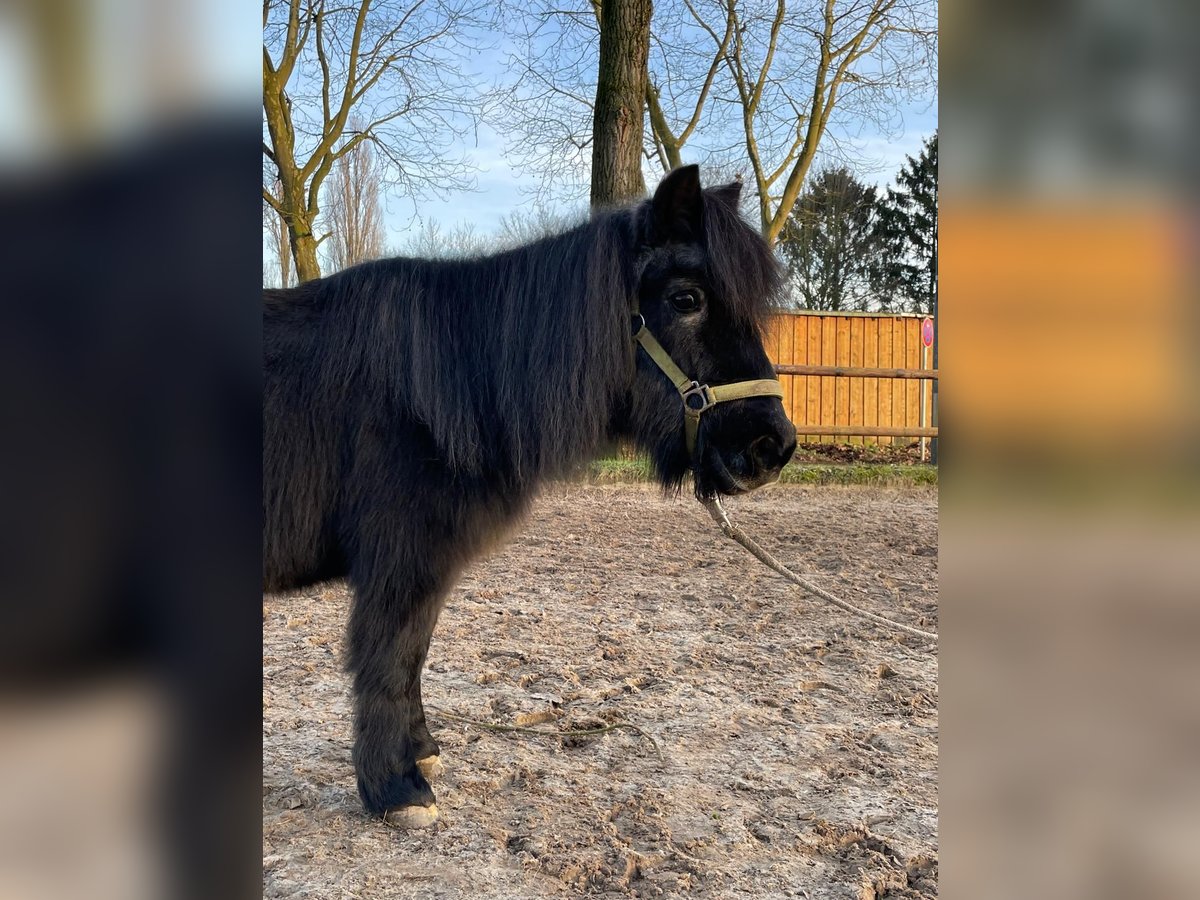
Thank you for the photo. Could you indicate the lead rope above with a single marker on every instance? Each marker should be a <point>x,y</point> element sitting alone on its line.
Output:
<point>717,511</point>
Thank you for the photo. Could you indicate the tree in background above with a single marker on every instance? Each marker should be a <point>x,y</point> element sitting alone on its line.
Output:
<point>523,226</point>
<point>828,242</point>
<point>432,239</point>
<point>620,101</point>
<point>904,271</point>
<point>400,66</point>
<point>550,110</point>
<point>683,71</point>
<point>754,85</point>
<point>278,254</point>
<point>464,240</point>
<point>793,69</point>
<point>353,208</point>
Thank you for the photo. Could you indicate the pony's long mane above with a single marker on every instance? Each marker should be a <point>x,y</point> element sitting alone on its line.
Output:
<point>511,361</point>
<point>514,361</point>
<point>743,270</point>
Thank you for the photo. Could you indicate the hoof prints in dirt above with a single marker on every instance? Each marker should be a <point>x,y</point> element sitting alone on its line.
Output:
<point>799,747</point>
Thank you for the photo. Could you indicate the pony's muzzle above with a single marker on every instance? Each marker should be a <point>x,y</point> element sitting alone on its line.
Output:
<point>745,453</point>
<point>770,452</point>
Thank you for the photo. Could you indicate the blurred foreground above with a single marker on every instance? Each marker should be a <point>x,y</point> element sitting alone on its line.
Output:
<point>1069,521</point>
<point>129,247</point>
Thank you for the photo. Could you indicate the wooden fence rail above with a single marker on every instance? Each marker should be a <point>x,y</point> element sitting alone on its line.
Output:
<point>868,431</point>
<point>852,372</point>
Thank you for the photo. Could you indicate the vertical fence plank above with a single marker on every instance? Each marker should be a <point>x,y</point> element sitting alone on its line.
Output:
<point>927,387</point>
<point>770,336</point>
<point>885,385</point>
<point>799,382</point>
<point>786,351</point>
<point>912,388</point>
<point>828,382</point>
<point>856,384</point>
<point>899,407</point>
<point>841,385</point>
<point>815,383</point>
<point>871,385</point>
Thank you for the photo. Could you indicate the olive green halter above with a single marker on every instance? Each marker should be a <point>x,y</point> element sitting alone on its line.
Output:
<point>697,397</point>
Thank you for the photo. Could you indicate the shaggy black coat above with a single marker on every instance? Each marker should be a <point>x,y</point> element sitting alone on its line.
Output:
<point>413,406</point>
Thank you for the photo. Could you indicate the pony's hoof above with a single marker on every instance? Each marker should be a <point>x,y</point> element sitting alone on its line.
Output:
<point>431,766</point>
<point>412,816</point>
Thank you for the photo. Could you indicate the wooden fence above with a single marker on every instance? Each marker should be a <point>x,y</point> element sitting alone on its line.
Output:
<point>881,404</point>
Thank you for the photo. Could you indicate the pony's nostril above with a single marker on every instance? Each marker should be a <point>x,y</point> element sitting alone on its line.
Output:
<point>768,452</point>
<point>772,451</point>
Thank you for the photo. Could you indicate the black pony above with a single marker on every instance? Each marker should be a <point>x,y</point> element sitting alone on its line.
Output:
<point>414,406</point>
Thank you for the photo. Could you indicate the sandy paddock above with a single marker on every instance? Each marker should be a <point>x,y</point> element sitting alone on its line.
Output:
<point>798,747</point>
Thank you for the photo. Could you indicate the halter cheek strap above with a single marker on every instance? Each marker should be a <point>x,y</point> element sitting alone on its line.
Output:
<point>697,397</point>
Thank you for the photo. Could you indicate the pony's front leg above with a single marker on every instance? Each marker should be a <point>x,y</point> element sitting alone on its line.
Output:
<point>389,632</point>
<point>429,755</point>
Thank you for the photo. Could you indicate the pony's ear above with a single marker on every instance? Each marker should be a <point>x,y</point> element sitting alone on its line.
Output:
<point>731,193</point>
<point>677,210</point>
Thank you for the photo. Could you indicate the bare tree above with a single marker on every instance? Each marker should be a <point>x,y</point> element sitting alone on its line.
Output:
<point>354,209</point>
<point>464,240</point>
<point>683,71</point>
<point>620,101</point>
<point>401,66</point>
<point>761,86</point>
<point>431,239</point>
<point>793,68</point>
<point>523,226</point>
<point>550,108</point>
<point>278,255</point>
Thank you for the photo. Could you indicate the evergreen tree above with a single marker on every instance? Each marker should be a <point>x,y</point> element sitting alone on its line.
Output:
<point>827,242</point>
<point>903,272</point>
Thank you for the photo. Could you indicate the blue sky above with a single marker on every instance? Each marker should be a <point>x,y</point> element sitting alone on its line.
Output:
<point>502,187</point>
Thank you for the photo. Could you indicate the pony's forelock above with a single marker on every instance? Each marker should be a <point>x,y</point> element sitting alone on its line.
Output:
<point>741,265</point>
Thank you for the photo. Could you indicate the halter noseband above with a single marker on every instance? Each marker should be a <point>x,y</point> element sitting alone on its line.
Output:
<point>697,397</point>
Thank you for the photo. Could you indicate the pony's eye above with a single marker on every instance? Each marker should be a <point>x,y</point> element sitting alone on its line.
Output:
<point>686,302</point>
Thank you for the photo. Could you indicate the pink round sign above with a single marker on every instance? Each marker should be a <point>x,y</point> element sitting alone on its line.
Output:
<point>927,332</point>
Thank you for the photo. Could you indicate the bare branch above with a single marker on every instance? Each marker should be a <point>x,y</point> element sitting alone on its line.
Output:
<point>394,65</point>
<point>776,25</point>
<point>766,86</point>
<point>272,202</point>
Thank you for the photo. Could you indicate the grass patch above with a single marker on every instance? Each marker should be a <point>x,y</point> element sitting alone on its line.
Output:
<point>880,474</point>
<point>621,470</point>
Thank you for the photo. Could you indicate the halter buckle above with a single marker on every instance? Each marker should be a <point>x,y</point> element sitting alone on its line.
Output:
<point>697,398</point>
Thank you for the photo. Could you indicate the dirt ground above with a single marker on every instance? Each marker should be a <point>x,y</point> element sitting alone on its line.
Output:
<point>799,746</point>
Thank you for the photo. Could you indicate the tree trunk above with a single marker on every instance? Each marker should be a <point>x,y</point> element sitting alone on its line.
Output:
<point>620,101</point>
<point>284,251</point>
<point>299,220</point>
<point>290,203</point>
<point>669,143</point>
<point>304,251</point>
